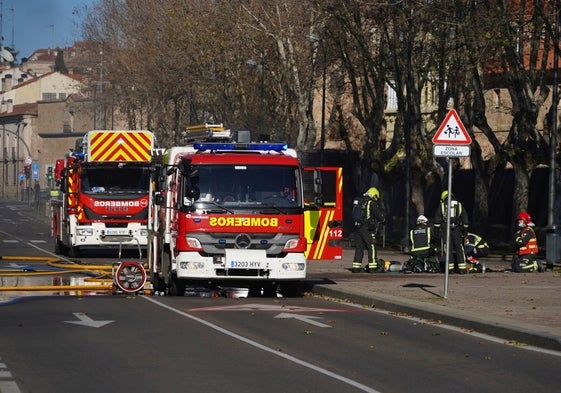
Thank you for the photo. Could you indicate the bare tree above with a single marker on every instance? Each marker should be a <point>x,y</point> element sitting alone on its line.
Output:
<point>290,25</point>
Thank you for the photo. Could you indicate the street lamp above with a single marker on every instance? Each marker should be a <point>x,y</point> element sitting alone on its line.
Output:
<point>253,64</point>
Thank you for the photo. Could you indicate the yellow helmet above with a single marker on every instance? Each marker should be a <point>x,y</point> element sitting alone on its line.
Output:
<point>373,193</point>
<point>444,195</point>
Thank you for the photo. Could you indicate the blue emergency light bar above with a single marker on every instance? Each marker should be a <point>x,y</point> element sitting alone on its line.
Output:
<point>202,146</point>
<point>79,155</point>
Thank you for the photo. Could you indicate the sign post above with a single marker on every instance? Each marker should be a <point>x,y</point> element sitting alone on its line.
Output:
<point>450,140</point>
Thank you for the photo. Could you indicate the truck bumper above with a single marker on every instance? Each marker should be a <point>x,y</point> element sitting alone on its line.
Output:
<point>249,265</point>
<point>97,235</point>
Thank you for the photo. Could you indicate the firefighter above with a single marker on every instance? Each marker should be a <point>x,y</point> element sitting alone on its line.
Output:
<point>475,247</point>
<point>371,215</point>
<point>421,238</point>
<point>459,224</point>
<point>526,245</point>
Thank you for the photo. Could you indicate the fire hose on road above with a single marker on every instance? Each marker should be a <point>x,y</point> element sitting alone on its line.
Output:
<point>127,277</point>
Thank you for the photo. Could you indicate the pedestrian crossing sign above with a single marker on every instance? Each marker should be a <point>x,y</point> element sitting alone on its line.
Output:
<point>451,131</point>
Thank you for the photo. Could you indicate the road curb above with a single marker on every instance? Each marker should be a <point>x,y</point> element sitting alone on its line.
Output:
<point>499,327</point>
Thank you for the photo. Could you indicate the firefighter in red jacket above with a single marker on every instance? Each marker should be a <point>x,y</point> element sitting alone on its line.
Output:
<point>526,245</point>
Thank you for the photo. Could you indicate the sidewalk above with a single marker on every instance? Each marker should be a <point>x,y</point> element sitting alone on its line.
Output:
<point>523,308</point>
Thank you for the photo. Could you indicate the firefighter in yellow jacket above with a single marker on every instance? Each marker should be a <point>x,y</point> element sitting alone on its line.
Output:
<point>370,217</point>
<point>459,225</point>
<point>526,243</point>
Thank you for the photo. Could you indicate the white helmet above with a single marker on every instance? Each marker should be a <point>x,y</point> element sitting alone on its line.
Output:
<point>422,219</point>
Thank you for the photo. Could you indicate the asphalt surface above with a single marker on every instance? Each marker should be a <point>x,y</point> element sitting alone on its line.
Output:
<point>522,308</point>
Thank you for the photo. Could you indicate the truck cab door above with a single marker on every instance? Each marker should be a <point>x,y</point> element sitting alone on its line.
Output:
<point>323,214</point>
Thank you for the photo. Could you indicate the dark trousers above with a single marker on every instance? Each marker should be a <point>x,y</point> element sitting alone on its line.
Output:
<point>457,249</point>
<point>365,240</point>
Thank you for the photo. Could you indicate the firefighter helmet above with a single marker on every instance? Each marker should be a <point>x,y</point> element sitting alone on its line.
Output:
<point>443,195</point>
<point>524,217</point>
<point>373,193</point>
<point>422,219</point>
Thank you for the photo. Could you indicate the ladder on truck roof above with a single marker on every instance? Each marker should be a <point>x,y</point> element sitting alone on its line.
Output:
<point>214,137</point>
<point>208,132</point>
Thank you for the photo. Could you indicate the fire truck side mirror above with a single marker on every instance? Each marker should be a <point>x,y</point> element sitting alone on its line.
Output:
<point>318,188</point>
<point>193,192</point>
<point>159,199</point>
<point>318,201</point>
<point>63,182</point>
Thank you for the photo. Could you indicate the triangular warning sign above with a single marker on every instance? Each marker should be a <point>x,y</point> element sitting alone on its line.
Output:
<point>451,131</point>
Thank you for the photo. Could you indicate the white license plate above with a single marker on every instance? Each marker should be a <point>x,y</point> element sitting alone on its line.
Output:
<point>244,259</point>
<point>244,265</point>
<point>116,232</point>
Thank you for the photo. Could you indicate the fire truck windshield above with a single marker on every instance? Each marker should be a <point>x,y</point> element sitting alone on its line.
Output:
<point>249,186</point>
<point>115,180</point>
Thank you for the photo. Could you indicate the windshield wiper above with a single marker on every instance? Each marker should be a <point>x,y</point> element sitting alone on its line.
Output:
<point>223,209</point>
<point>270,206</point>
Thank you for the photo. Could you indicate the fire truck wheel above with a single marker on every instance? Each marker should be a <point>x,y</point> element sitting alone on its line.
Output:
<point>176,287</point>
<point>59,247</point>
<point>73,252</point>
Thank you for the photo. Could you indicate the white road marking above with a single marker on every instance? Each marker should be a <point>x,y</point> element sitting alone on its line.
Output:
<point>303,318</point>
<point>84,320</point>
<point>7,385</point>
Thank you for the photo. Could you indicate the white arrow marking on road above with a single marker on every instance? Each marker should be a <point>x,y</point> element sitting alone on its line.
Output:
<point>304,318</point>
<point>84,320</point>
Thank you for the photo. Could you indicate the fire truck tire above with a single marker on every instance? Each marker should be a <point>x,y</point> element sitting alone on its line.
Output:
<point>291,290</point>
<point>176,287</point>
<point>59,247</point>
<point>73,252</point>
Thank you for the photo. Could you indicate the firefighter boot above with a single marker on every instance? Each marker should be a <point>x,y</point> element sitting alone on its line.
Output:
<point>376,266</point>
<point>357,267</point>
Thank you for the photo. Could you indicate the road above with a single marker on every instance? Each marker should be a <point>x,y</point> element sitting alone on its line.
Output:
<point>309,344</point>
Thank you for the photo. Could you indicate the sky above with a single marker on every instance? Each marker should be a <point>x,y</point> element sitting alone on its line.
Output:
<point>37,24</point>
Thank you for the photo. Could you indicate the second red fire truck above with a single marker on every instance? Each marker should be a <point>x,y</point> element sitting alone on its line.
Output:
<point>105,192</point>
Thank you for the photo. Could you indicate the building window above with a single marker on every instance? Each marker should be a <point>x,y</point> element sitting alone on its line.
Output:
<point>49,96</point>
<point>391,97</point>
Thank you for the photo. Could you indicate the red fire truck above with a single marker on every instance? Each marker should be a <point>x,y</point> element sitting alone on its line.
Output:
<point>105,185</point>
<point>232,214</point>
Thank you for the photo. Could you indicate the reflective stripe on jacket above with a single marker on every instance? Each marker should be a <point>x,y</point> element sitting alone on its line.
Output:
<point>526,241</point>
<point>420,237</point>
